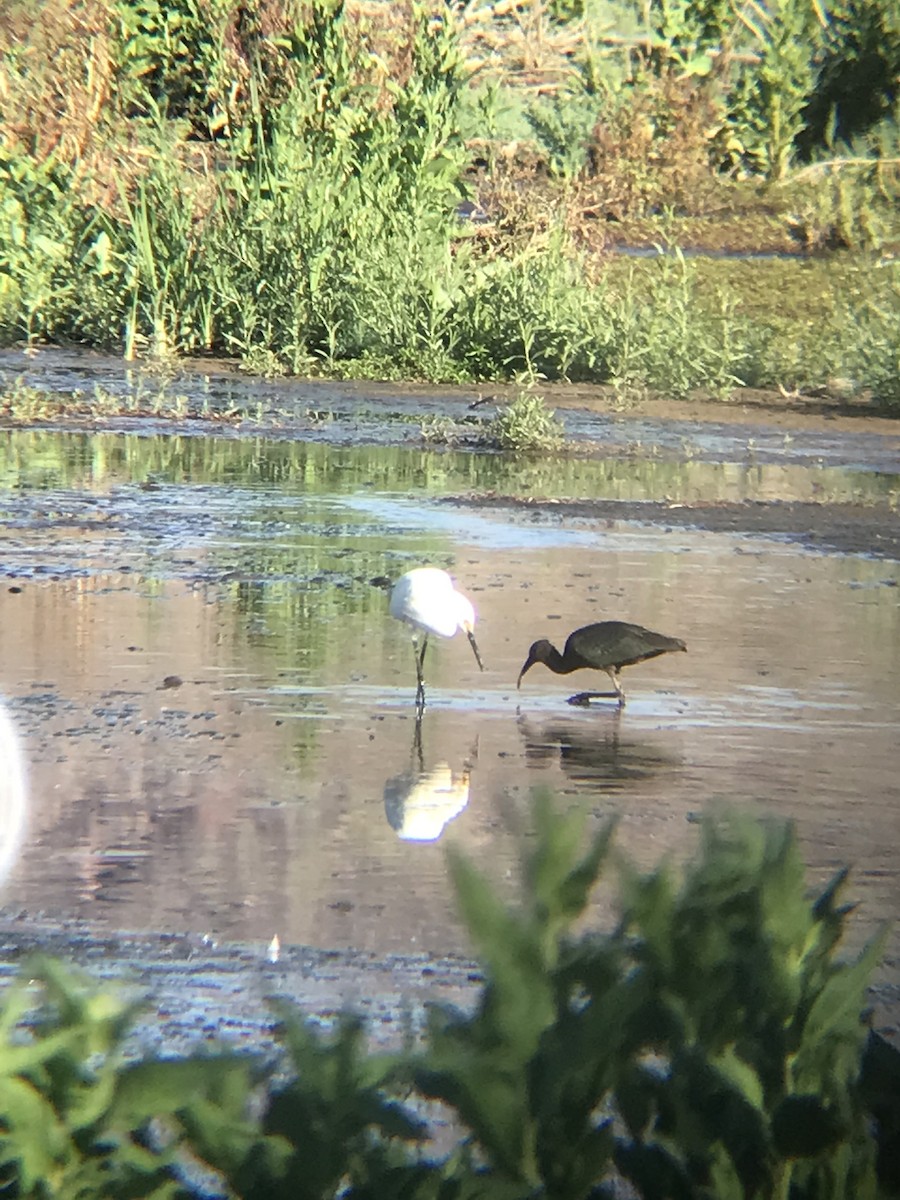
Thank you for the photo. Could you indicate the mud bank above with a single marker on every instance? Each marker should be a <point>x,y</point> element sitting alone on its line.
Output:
<point>845,528</point>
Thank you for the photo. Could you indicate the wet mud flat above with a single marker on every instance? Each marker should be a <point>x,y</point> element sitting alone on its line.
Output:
<point>196,994</point>
<point>845,528</point>
<point>215,757</point>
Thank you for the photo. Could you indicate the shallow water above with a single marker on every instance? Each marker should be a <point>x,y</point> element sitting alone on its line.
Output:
<point>347,413</point>
<point>218,714</point>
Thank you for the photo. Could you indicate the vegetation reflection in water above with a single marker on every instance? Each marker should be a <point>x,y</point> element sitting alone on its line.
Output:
<point>50,459</point>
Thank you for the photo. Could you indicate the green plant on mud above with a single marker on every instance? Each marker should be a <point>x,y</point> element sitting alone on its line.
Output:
<point>535,316</point>
<point>323,232</point>
<point>23,404</point>
<point>525,426</point>
<point>36,234</point>
<point>332,243</point>
<point>439,430</point>
<point>710,1045</point>
<point>845,203</point>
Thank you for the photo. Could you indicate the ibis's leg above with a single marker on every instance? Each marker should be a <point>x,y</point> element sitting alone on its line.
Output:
<point>613,673</point>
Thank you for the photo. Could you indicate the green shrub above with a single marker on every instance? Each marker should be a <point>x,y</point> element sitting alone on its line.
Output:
<point>873,359</point>
<point>709,1046</point>
<point>176,55</point>
<point>672,336</point>
<point>525,425</point>
<point>858,67</point>
<point>279,181</point>
<point>39,217</point>
<point>78,1120</point>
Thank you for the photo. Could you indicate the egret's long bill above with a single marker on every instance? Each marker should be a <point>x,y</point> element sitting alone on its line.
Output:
<point>471,636</point>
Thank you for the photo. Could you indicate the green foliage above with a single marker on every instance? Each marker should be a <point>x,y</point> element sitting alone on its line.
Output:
<point>562,123</point>
<point>714,1022</point>
<point>762,1029</point>
<point>174,56</point>
<point>709,1046</point>
<point>494,1066</point>
<point>333,240</point>
<point>875,354</point>
<point>156,265</point>
<point>671,337</point>
<point>37,219</point>
<point>525,425</point>
<point>804,76</point>
<point>767,100</point>
<point>858,68</point>
<point>845,203</point>
<point>77,1120</point>
<point>334,1122</point>
<point>690,32</point>
<point>535,316</point>
<point>279,182</point>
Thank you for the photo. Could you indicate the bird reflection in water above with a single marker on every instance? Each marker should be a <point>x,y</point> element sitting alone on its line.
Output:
<point>420,803</point>
<point>588,755</point>
<point>13,795</point>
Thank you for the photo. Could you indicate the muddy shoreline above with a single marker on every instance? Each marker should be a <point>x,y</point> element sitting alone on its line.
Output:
<point>195,992</point>
<point>842,528</point>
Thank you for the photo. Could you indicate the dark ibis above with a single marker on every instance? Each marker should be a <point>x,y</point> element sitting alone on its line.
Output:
<point>427,599</point>
<point>606,646</point>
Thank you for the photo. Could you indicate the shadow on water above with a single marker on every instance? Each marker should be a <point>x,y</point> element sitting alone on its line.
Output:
<point>218,712</point>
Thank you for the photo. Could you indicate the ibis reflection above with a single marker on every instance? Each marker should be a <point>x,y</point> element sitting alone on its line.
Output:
<point>13,795</point>
<point>420,803</point>
<point>595,752</point>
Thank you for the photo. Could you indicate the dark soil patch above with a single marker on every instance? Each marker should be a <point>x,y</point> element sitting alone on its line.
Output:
<point>847,528</point>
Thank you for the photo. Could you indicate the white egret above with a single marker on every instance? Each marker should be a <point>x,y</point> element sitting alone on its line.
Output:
<point>426,599</point>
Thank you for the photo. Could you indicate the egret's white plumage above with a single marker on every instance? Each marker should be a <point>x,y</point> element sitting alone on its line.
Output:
<point>426,599</point>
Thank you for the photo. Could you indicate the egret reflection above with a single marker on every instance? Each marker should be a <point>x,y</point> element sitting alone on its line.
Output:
<point>591,754</point>
<point>420,803</point>
<point>13,794</point>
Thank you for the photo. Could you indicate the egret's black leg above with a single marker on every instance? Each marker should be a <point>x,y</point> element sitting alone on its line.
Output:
<point>417,739</point>
<point>419,652</point>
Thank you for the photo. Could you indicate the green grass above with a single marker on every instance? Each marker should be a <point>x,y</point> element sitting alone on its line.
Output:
<point>307,222</point>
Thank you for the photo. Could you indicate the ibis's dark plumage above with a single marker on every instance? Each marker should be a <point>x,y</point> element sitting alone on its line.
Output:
<point>606,646</point>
